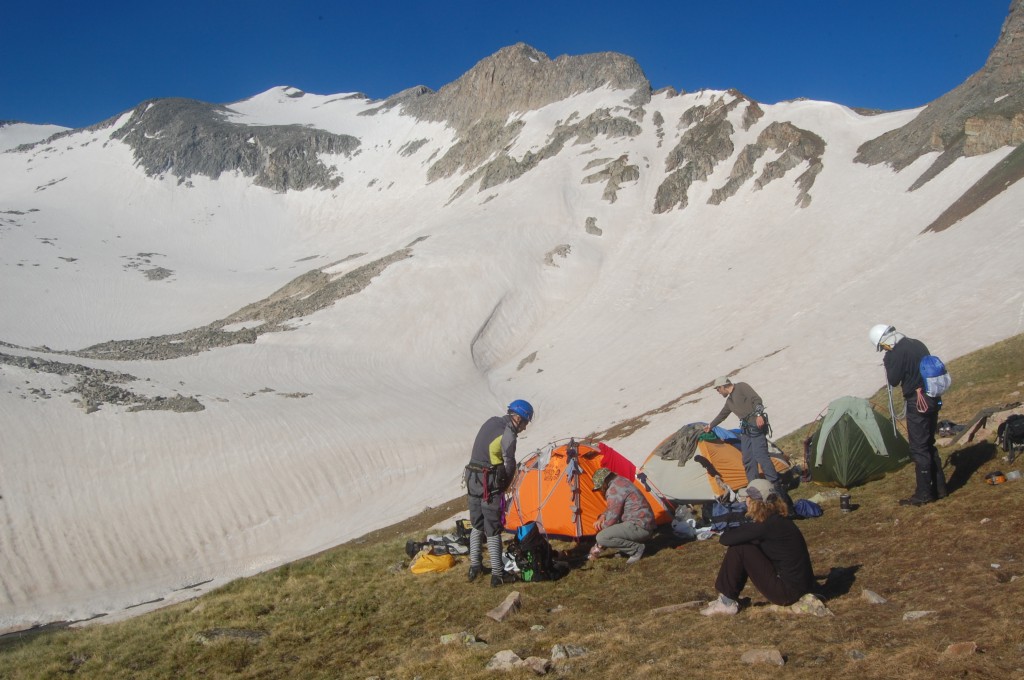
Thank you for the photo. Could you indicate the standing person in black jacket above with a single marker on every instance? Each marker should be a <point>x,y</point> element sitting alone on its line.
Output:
<point>902,363</point>
<point>491,468</point>
<point>770,551</point>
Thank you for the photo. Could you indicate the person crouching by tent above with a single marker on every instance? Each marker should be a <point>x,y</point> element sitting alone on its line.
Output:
<point>489,472</point>
<point>629,520</point>
<point>770,551</point>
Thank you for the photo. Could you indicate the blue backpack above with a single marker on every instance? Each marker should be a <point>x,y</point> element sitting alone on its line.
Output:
<point>728,514</point>
<point>936,378</point>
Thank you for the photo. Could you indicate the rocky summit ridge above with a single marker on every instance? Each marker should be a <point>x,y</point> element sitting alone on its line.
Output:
<point>486,108</point>
<point>982,114</point>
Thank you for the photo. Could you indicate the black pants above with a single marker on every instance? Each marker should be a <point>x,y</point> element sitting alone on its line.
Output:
<point>921,427</point>
<point>747,560</point>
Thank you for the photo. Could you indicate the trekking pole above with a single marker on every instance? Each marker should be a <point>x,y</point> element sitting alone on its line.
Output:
<point>892,411</point>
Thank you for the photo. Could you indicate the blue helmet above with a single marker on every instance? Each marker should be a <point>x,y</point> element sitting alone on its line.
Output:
<point>522,409</point>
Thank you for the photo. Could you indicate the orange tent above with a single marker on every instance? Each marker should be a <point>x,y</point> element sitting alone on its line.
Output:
<point>553,487</point>
<point>701,477</point>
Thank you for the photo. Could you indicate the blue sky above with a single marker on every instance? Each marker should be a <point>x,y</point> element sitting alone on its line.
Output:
<point>76,63</point>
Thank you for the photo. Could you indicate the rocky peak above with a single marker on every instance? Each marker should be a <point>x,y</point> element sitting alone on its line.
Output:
<point>981,115</point>
<point>521,78</point>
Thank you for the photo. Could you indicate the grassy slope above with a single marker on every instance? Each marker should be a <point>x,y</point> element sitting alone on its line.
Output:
<point>356,612</point>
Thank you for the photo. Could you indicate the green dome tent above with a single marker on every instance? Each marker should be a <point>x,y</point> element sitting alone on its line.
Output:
<point>855,444</point>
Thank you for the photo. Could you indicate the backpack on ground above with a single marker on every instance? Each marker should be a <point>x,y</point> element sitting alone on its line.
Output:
<point>1010,436</point>
<point>726,514</point>
<point>532,554</point>
<point>936,378</point>
<point>463,528</point>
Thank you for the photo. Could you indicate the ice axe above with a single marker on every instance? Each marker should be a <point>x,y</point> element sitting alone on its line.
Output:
<point>892,410</point>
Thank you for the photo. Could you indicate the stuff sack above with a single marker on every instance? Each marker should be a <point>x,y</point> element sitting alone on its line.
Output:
<point>807,509</point>
<point>532,554</point>
<point>936,378</point>
<point>727,514</point>
<point>684,524</point>
<point>426,562</point>
<point>1010,435</point>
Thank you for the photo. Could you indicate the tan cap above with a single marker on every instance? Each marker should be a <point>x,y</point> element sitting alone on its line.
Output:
<point>721,381</point>
<point>758,490</point>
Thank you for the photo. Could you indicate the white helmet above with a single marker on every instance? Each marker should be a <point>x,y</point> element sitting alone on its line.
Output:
<point>877,332</point>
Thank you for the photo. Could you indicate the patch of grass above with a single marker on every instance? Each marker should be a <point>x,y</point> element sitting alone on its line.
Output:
<point>357,612</point>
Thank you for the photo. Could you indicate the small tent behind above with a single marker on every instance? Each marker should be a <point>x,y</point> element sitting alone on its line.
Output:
<point>854,444</point>
<point>703,474</point>
<point>553,486</point>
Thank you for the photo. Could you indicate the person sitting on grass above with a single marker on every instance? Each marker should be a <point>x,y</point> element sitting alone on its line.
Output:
<point>770,551</point>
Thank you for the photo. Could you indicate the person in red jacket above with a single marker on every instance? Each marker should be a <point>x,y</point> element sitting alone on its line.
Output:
<point>770,552</point>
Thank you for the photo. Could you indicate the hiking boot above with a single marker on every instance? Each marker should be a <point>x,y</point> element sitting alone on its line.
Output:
<point>717,607</point>
<point>914,501</point>
<point>635,557</point>
<point>501,579</point>
<point>474,571</point>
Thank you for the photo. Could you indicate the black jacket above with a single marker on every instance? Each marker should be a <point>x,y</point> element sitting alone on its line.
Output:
<point>781,541</point>
<point>903,365</point>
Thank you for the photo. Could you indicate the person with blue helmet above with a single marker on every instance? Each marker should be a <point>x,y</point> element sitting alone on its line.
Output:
<point>489,472</point>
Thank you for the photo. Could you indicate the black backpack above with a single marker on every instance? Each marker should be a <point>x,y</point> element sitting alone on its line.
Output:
<point>533,554</point>
<point>1010,436</point>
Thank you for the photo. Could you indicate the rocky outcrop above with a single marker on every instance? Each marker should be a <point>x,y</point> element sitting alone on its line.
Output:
<point>487,138</point>
<point>706,143</point>
<point>751,114</point>
<point>409,148</point>
<point>474,147</point>
<point>96,387</point>
<point>309,293</point>
<point>562,251</point>
<point>795,147</point>
<point>1005,173</point>
<point>742,171</point>
<point>184,137</point>
<point>990,132</point>
<point>976,117</point>
<point>613,175</point>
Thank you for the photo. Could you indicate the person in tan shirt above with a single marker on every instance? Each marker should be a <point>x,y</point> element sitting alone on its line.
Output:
<point>746,404</point>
